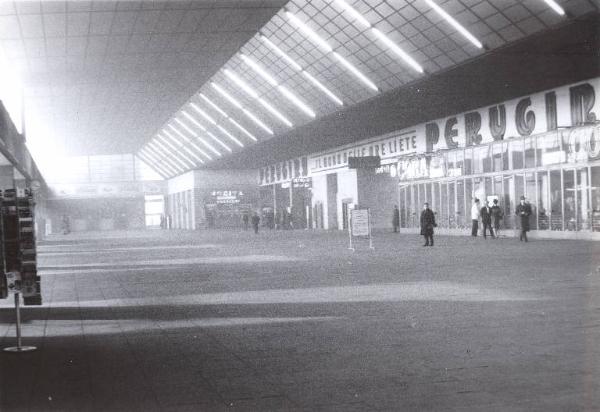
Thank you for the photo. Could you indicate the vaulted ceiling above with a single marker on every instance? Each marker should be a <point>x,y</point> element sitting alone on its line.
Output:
<point>212,83</point>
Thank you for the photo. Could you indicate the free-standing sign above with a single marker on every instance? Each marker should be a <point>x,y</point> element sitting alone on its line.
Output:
<point>359,222</point>
<point>360,225</point>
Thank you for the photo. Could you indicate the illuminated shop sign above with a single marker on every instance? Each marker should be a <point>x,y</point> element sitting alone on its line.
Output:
<point>227,196</point>
<point>549,111</point>
<point>299,182</point>
<point>283,172</point>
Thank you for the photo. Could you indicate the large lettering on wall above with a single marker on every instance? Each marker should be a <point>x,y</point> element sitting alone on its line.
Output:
<point>582,102</point>
<point>450,133</point>
<point>525,120</point>
<point>432,136</point>
<point>472,128</point>
<point>497,121</point>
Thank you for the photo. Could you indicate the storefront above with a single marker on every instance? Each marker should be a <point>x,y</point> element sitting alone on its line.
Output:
<point>545,146</point>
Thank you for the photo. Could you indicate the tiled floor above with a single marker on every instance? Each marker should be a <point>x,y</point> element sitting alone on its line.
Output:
<point>212,321</point>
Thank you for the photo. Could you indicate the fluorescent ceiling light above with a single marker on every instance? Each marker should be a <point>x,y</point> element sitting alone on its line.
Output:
<point>396,49</point>
<point>239,106</point>
<point>250,91</point>
<point>355,71</point>
<point>167,142</point>
<point>555,6</point>
<point>324,89</point>
<point>299,68</point>
<point>167,155</point>
<point>177,151</point>
<point>199,125</point>
<point>203,114</point>
<point>232,137</point>
<point>281,53</point>
<point>352,11</point>
<point>270,79</point>
<point>454,23</point>
<point>310,33</point>
<point>152,162</point>
<point>204,142</point>
<point>214,106</point>
<point>317,39</point>
<point>246,132</point>
<point>292,97</point>
<point>193,154</point>
<point>202,152</point>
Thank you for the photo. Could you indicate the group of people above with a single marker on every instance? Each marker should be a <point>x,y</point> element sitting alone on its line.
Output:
<point>254,220</point>
<point>490,216</point>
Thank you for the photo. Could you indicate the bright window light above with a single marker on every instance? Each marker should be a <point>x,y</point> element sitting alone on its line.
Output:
<point>213,105</point>
<point>201,127</point>
<point>555,6</point>
<point>246,132</point>
<point>299,68</point>
<point>203,114</point>
<point>281,53</point>
<point>454,23</point>
<point>237,80</point>
<point>270,79</point>
<point>355,14</point>
<point>201,140</point>
<point>396,49</point>
<point>310,33</point>
<point>232,137</point>
<point>355,71</point>
<point>324,89</point>
<point>319,41</point>
<point>239,106</point>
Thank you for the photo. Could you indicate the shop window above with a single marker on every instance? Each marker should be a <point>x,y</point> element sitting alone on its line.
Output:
<point>551,149</point>
<point>443,205</point>
<point>516,154</point>
<point>539,145</point>
<point>569,207</point>
<point>497,157</point>
<point>529,146</point>
<point>461,215</point>
<point>582,200</point>
<point>556,204</point>
<point>486,159</point>
<point>488,188</point>
<point>531,193</point>
<point>452,215</point>
<point>450,160</point>
<point>428,194</point>
<point>505,156</point>
<point>460,161</point>
<point>468,162</point>
<point>595,198</point>
<point>468,199</point>
<point>508,202</point>
<point>543,201</point>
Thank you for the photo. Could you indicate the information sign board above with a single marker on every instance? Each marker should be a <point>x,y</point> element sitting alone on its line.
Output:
<point>360,222</point>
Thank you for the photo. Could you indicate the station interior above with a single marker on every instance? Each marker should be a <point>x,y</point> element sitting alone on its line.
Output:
<point>300,205</point>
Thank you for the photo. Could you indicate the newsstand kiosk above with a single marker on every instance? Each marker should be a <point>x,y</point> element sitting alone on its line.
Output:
<point>18,271</point>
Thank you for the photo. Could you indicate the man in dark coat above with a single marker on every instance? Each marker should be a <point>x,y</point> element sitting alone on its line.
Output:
<point>523,211</point>
<point>486,219</point>
<point>255,221</point>
<point>427,224</point>
<point>396,219</point>
<point>497,216</point>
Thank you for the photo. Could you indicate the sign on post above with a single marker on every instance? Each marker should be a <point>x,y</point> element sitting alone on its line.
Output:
<point>360,225</point>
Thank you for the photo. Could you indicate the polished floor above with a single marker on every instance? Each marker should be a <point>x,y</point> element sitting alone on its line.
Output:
<point>293,320</point>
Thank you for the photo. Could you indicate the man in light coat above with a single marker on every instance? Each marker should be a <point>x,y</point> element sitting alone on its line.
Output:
<point>475,217</point>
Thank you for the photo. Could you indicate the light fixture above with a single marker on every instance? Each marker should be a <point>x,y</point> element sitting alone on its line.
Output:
<point>232,137</point>
<point>299,68</point>
<point>396,49</point>
<point>354,13</point>
<point>187,140</point>
<point>165,154</point>
<point>201,140</point>
<point>179,152</point>
<point>161,169</point>
<point>237,104</point>
<point>454,23</point>
<point>222,112</point>
<point>203,114</point>
<point>555,6</point>
<point>283,90</point>
<point>355,71</point>
<point>201,127</point>
<point>238,81</point>
<point>310,33</point>
<point>325,46</point>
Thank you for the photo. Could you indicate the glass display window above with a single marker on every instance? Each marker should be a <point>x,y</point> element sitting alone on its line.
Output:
<point>529,152</point>
<point>556,203</point>
<point>516,154</point>
<point>497,157</point>
<point>531,193</point>
<point>569,196</point>
<point>543,200</point>
<point>595,197</point>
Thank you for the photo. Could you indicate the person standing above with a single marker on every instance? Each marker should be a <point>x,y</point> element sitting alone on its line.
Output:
<point>497,216</point>
<point>523,211</point>
<point>245,219</point>
<point>486,219</point>
<point>255,221</point>
<point>427,224</point>
<point>396,219</point>
<point>475,217</point>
